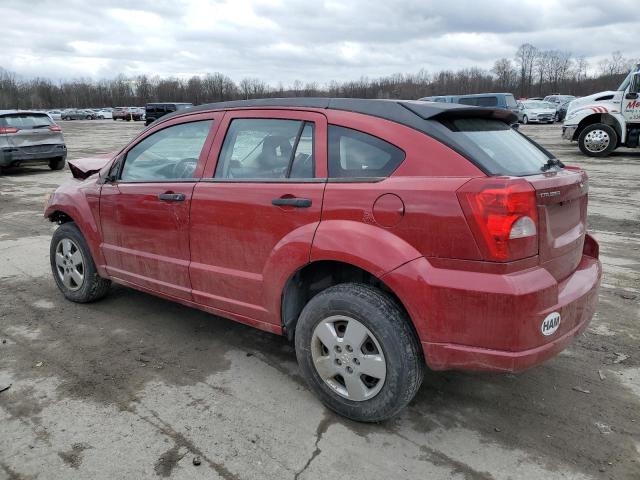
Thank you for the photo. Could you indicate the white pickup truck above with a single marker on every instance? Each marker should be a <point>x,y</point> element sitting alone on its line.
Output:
<point>604,121</point>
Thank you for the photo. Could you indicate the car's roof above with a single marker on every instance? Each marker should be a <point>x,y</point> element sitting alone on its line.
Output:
<point>406,112</point>
<point>488,94</point>
<point>420,115</point>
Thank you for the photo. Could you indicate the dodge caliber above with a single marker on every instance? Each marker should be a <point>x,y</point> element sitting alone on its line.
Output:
<point>382,237</point>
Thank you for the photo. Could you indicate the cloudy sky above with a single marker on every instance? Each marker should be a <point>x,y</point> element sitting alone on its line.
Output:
<point>284,40</point>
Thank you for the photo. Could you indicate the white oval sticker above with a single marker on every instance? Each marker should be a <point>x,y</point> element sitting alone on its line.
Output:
<point>550,324</point>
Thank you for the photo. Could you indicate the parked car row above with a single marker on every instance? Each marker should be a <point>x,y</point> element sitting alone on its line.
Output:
<point>529,110</point>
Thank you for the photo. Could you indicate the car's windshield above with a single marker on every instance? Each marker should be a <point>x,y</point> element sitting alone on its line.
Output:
<point>498,148</point>
<point>626,81</point>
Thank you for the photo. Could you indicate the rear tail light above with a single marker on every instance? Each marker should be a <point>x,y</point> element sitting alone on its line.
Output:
<point>55,128</point>
<point>503,216</point>
<point>8,130</point>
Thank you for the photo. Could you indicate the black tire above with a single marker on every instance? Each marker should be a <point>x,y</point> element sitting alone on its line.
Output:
<point>525,120</point>
<point>93,287</point>
<point>557,117</point>
<point>56,163</point>
<point>583,140</point>
<point>389,324</point>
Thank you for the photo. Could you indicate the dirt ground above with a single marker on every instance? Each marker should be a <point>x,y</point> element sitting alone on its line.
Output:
<point>137,387</point>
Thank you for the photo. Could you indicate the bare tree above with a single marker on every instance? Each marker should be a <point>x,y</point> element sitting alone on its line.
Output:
<point>525,59</point>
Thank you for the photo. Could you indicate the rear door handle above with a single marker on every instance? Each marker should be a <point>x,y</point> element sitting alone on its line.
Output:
<point>292,202</point>
<point>171,197</point>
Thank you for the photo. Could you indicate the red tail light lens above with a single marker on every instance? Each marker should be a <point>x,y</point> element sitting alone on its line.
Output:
<point>8,130</point>
<point>503,217</point>
<point>55,128</point>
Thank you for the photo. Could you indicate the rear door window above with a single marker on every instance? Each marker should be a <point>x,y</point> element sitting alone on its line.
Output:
<point>355,154</point>
<point>264,148</point>
<point>496,147</point>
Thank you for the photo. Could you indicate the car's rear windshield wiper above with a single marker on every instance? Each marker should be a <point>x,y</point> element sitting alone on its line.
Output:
<point>552,162</point>
<point>44,125</point>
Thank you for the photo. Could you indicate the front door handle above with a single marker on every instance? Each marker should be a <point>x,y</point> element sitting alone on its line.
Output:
<point>172,197</point>
<point>292,202</point>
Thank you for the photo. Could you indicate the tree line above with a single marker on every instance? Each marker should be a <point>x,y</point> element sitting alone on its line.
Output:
<point>531,72</point>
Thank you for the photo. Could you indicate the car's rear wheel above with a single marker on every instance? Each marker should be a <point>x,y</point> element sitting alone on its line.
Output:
<point>56,163</point>
<point>73,268</point>
<point>358,352</point>
<point>598,140</point>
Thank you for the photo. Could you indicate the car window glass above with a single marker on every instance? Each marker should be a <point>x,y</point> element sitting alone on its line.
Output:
<point>25,121</point>
<point>264,149</point>
<point>303,163</point>
<point>170,154</point>
<point>511,101</point>
<point>354,154</point>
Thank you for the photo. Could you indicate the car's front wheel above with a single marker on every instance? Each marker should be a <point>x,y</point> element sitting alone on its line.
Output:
<point>358,352</point>
<point>73,268</point>
<point>598,140</point>
<point>525,119</point>
<point>56,163</point>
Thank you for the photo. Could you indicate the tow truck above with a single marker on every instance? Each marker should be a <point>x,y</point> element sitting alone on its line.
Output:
<point>604,121</point>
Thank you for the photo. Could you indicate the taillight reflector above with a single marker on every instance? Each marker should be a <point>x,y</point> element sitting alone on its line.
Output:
<point>55,128</point>
<point>503,216</point>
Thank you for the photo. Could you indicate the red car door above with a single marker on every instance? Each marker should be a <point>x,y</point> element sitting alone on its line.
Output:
<point>254,214</point>
<point>144,209</point>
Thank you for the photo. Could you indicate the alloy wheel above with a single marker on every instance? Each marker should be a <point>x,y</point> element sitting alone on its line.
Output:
<point>69,264</point>
<point>348,358</point>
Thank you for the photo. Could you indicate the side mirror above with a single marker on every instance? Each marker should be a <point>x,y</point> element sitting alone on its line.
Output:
<point>515,126</point>
<point>631,96</point>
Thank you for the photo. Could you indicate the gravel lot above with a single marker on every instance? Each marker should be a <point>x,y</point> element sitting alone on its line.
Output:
<point>137,387</point>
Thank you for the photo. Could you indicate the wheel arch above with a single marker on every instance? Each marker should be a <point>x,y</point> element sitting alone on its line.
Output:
<point>605,118</point>
<point>317,276</point>
<point>88,228</point>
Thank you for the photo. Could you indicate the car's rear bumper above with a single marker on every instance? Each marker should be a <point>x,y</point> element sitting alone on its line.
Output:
<point>575,308</point>
<point>492,322</point>
<point>31,155</point>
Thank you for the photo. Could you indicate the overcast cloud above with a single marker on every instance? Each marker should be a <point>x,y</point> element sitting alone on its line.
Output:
<point>300,39</point>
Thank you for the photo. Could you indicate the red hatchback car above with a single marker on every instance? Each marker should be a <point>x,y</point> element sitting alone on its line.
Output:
<point>379,235</point>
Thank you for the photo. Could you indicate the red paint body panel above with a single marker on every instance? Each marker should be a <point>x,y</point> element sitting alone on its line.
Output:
<point>227,250</point>
<point>146,240</point>
<point>485,321</point>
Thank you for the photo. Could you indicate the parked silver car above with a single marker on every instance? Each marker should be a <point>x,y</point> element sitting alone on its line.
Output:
<point>79,114</point>
<point>30,138</point>
<point>535,111</point>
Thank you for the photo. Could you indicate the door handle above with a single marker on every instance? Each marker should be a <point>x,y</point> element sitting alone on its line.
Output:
<point>171,197</point>
<point>292,202</point>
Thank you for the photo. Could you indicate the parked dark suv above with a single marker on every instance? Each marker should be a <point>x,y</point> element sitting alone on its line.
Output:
<point>156,110</point>
<point>380,236</point>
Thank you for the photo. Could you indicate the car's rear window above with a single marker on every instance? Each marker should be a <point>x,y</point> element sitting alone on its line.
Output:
<point>25,121</point>
<point>488,101</point>
<point>355,154</point>
<point>496,147</point>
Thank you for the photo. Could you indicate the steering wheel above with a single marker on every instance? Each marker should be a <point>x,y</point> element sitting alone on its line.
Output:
<point>185,168</point>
